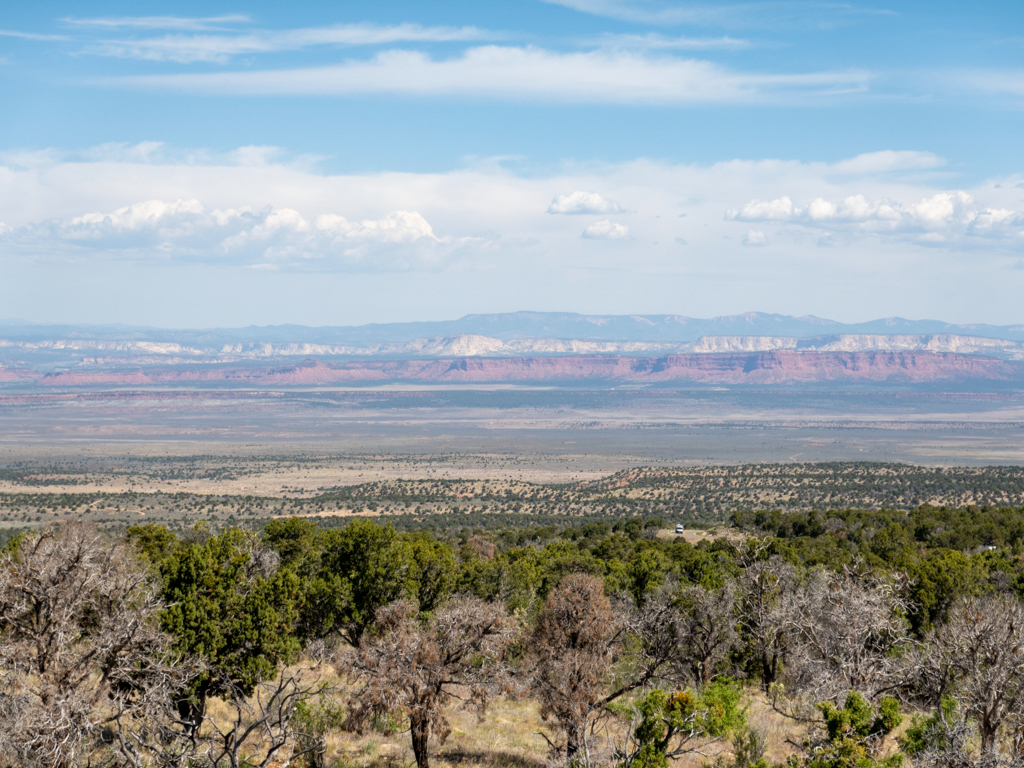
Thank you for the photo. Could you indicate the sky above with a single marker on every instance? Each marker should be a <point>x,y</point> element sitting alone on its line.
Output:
<point>196,164</point>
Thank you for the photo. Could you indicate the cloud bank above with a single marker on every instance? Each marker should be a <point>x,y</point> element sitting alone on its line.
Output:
<point>933,219</point>
<point>153,205</point>
<point>278,238</point>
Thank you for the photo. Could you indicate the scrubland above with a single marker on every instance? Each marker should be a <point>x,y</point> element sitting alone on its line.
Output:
<point>844,638</point>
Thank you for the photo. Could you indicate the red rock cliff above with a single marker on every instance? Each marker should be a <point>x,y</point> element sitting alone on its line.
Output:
<point>755,368</point>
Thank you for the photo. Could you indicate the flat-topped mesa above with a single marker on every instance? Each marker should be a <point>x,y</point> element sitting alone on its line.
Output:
<point>476,345</point>
<point>857,342</point>
<point>775,367</point>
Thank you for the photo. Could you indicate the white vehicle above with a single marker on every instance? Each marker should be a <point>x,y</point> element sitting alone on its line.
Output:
<point>680,528</point>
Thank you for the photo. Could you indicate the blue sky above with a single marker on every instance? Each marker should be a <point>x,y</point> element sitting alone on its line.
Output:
<point>214,163</point>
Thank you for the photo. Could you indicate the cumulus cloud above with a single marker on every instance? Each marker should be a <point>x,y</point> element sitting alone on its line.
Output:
<point>601,76</point>
<point>755,239</point>
<point>583,202</point>
<point>152,204</point>
<point>606,230</point>
<point>89,226</point>
<point>186,230</point>
<point>771,210</point>
<point>934,219</point>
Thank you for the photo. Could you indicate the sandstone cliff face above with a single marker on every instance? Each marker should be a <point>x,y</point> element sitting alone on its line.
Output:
<point>472,345</point>
<point>8,375</point>
<point>775,367</point>
<point>137,353</point>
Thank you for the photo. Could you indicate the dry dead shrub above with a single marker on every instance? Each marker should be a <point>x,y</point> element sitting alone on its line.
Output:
<point>412,671</point>
<point>584,655</point>
<point>84,670</point>
<point>257,731</point>
<point>573,650</point>
<point>482,546</point>
<point>978,657</point>
<point>708,629</point>
<point>762,587</point>
<point>844,632</point>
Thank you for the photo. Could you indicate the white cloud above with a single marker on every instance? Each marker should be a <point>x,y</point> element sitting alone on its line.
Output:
<point>736,14</point>
<point>583,202</point>
<point>156,153</point>
<point>601,76</point>
<point>150,215</point>
<point>771,210</point>
<point>399,227</point>
<point>653,41</point>
<point>185,23</point>
<point>30,158</point>
<point>492,247</point>
<point>937,218</point>
<point>142,152</point>
<point>186,49</point>
<point>186,230</point>
<point>887,161</point>
<point>651,12</point>
<point>606,230</point>
<point>755,239</point>
<point>30,35</point>
<point>151,204</point>
<point>1001,82</point>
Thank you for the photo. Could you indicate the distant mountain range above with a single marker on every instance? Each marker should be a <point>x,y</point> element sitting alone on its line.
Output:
<point>524,347</point>
<point>511,327</point>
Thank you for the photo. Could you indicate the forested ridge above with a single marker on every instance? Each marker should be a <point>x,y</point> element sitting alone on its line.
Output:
<point>694,495</point>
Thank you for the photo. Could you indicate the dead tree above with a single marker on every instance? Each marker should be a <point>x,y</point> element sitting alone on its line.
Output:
<point>708,625</point>
<point>761,588</point>
<point>953,743</point>
<point>82,662</point>
<point>259,730</point>
<point>573,651</point>
<point>843,631</point>
<point>413,671</point>
<point>576,645</point>
<point>978,657</point>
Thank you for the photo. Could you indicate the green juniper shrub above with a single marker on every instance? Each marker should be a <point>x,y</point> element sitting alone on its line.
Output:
<point>928,732</point>
<point>854,734</point>
<point>673,724</point>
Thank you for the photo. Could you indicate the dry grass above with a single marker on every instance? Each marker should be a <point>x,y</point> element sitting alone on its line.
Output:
<point>508,737</point>
<point>780,732</point>
<point>511,735</point>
